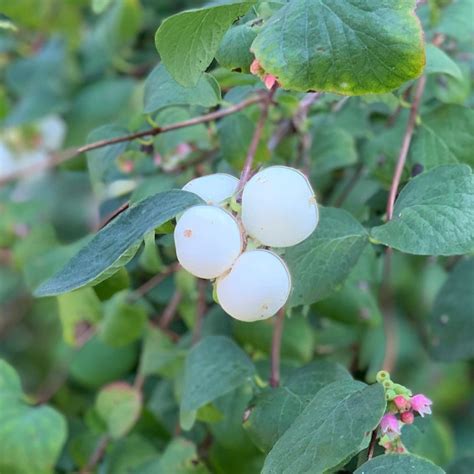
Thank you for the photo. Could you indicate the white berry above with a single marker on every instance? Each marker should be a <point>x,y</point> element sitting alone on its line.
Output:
<point>279,207</point>
<point>213,188</point>
<point>256,288</point>
<point>208,239</point>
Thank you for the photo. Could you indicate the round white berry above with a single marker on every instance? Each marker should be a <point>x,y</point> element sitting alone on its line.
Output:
<point>213,188</point>
<point>256,288</point>
<point>208,239</point>
<point>279,207</point>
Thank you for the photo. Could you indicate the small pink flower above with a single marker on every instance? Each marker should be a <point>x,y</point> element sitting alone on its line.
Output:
<point>421,404</point>
<point>390,423</point>
<point>401,403</point>
<point>407,417</point>
<point>269,80</point>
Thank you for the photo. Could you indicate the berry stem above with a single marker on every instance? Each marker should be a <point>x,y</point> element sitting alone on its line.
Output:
<point>276,348</point>
<point>252,150</point>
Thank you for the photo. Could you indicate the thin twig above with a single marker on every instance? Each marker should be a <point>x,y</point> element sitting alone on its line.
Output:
<point>405,146</point>
<point>252,150</point>
<point>201,309</point>
<point>154,281</point>
<point>170,311</point>
<point>56,159</point>
<point>97,455</point>
<point>276,348</point>
<point>373,440</point>
<point>386,295</point>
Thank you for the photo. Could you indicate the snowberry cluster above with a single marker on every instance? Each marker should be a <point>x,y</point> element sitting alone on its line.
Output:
<point>402,406</point>
<point>225,241</point>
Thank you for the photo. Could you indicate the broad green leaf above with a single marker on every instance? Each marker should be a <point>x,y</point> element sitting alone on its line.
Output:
<point>334,426</point>
<point>161,90</point>
<point>456,20</point>
<point>158,352</point>
<point>438,62</point>
<point>114,240</point>
<point>451,322</point>
<point>444,136</point>
<point>323,261</point>
<point>344,46</point>
<point>179,457</point>
<point>128,455</point>
<point>398,464</point>
<point>78,309</point>
<point>123,322</point>
<point>187,42</point>
<point>152,185</point>
<point>433,215</point>
<point>31,438</point>
<point>119,405</point>
<point>234,51</point>
<point>102,162</point>
<point>98,6</point>
<point>274,410</point>
<point>331,149</point>
<point>117,282</point>
<point>213,368</point>
<point>97,364</point>
<point>429,438</point>
<point>462,465</point>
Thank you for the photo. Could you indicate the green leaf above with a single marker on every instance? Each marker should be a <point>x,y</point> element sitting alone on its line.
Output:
<point>234,51</point>
<point>123,322</point>
<point>343,46</point>
<point>161,90</point>
<point>323,261</point>
<point>126,231</point>
<point>119,405</point>
<point>451,320</point>
<point>398,464</point>
<point>433,215</point>
<point>179,457</point>
<point>332,148</point>
<point>429,438</point>
<point>213,368</point>
<point>187,42</point>
<point>158,352</point>
<point>333,427</point>
<point>31,438</point>
<point>98,6</point>
<point>78,309</point>
<point>444,136</point>
<point>274,410</point>
<point>438,62</point>
<point>456,20</point>
<point>97,364</point>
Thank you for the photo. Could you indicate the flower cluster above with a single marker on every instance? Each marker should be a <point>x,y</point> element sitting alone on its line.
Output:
<point>268,79</point>
<point>402,407</point>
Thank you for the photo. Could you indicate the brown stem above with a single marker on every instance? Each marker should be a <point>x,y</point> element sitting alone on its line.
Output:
<point>154,281</point>
<point>201,310</point>
<point>96,456</point>
<point>252,150</point>
<point>170,310</point>
<point>69,154</point>
<point>373,440</point>
<point>276,348</point>
<point>405,146</point>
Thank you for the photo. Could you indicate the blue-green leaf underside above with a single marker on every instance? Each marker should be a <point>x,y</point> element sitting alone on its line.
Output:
<point>349,47</point>
<point>398,464</point>
<point>113,241</point>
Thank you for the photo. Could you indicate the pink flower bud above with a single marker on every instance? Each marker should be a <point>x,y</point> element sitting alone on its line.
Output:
<point>421,404</point>
<point>255,67</point>
<point>407,417</point>
<point>390,423</point>
<point>401,403</point>
<point>269,80</point>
